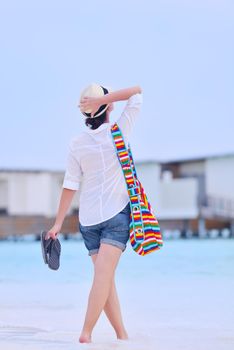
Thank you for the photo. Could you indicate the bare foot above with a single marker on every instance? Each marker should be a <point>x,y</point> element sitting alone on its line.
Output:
<point>122,335</point>
<point>85,338</point>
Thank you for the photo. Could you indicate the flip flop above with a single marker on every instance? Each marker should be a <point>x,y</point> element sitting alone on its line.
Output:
<point>45,246</point>
<point>51,250</point>
<point>54,254</point>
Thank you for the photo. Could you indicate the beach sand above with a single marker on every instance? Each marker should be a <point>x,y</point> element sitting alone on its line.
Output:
<point>178,298</point>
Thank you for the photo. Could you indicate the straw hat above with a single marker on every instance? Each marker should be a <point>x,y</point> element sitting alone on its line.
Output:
<point>95,90</point>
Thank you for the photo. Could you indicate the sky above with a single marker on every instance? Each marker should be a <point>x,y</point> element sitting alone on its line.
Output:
<point>181,53</point>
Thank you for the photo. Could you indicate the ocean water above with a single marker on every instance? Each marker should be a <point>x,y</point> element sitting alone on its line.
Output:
<point>181,297</point>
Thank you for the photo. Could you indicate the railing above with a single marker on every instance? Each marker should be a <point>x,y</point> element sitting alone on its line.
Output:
<point>216,206</point>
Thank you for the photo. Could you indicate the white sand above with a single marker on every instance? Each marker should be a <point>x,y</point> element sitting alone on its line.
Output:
<point>181,297</point>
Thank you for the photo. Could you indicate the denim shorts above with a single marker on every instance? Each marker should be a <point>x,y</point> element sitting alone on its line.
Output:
<point>114,231</point>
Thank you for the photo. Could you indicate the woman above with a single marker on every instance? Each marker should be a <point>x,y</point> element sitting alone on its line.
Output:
<point>104,208</point>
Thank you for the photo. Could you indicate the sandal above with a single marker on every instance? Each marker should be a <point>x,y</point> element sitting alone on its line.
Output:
<point>54,254</point>
<point>45,244</point>
<point>51,250</point>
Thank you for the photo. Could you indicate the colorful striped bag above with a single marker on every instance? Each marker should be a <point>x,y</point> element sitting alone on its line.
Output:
<point>145,235</point>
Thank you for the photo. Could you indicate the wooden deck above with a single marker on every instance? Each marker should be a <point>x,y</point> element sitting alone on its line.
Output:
<point>21,225</point>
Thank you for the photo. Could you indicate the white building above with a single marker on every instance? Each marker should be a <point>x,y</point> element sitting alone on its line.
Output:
<point>29,192</point>
<point>198,191</point>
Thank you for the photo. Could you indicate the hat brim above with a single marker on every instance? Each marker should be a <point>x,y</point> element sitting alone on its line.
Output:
<point>99,112</point>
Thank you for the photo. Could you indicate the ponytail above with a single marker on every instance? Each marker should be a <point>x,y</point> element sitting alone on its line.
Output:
<point>94,123</point>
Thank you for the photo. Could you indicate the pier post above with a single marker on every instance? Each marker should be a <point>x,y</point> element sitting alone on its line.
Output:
<point>232,228</point>
<point>202,227</point>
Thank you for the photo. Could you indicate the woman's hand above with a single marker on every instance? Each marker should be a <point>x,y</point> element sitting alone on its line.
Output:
<point>93,103</point>
<point>52,233</point>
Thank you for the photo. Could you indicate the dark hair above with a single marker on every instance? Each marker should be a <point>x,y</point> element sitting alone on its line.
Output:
<point>94,123</point>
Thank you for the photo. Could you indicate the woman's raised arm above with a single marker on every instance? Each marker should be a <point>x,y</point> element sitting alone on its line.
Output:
<point>120,95</point>
<point>94,103</point>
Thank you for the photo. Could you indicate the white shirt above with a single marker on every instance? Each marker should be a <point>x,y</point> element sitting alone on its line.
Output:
<point>94,169</point>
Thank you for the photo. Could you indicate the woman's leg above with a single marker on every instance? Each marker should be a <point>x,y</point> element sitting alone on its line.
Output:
<point>112,309</point>
<point>105,265</point>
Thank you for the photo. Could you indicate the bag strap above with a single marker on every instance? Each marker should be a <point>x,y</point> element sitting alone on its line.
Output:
<point>132,183</point>
<point>124,157</point>
<point>131,161</point>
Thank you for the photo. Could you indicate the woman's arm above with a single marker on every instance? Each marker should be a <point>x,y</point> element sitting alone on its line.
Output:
<point>94,103</point>
<point>65,201</point>
<point>120,95</point>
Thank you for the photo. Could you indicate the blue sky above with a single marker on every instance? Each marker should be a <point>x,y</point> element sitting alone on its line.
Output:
<point>180,52</point>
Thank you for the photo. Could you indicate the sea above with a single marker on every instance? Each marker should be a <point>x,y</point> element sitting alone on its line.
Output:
<point>180,297</point>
